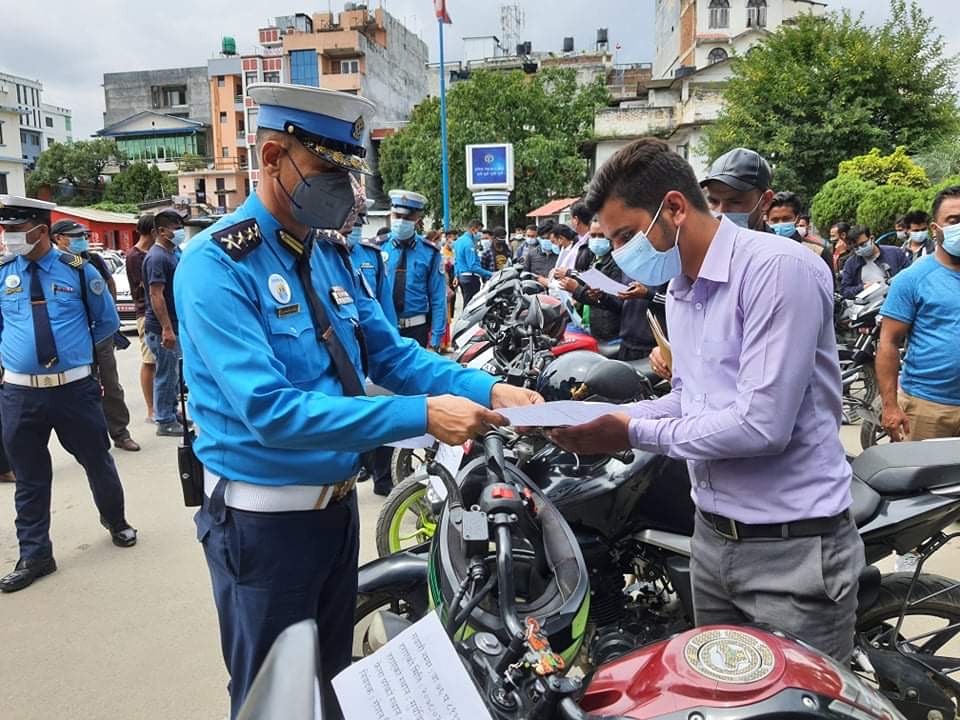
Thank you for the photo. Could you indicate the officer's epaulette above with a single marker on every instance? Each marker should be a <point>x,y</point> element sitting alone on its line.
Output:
<point>331,236</point>
<point>431,245</point>
<point>7,259</point>
<point>239,240</point>
<point>68,258</point>
<point>371,245</point>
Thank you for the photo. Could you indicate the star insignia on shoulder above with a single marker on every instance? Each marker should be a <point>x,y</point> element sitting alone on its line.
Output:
<point>239,240</point>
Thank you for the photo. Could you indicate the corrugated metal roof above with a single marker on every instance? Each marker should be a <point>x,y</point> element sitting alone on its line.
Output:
<point>553,207</point>
<point>96,215</point>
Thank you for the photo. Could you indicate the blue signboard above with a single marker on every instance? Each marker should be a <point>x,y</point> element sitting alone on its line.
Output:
<point>490,167</point>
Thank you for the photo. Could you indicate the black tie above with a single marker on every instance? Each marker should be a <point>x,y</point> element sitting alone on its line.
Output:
<point>400,281</point>
<point>42,332</point>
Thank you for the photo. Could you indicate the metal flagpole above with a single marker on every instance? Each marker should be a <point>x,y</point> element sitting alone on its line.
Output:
<point>444,160</point>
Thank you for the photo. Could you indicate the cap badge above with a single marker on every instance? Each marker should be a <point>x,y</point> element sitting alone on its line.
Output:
<point>279,289</point>
<point>358,126</point>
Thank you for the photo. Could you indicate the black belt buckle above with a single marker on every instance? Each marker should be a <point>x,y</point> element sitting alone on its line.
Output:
<point>719,521</point>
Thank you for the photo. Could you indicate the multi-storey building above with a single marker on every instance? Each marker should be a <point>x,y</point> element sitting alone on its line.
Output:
<point>28,100</point>
<point>57,125</point>
<point>695,40</point>
<point>11,154</point>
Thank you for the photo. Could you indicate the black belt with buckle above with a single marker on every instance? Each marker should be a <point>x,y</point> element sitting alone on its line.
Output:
<point>733,530</point>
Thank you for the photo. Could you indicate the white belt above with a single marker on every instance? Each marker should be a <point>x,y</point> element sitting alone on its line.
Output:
<point>45,381</point>
<point>414,321</point>
<point>277,498</point>
<point>468,274</point>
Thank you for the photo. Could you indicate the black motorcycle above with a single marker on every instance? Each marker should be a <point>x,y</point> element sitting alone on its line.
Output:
<point>633,518</point>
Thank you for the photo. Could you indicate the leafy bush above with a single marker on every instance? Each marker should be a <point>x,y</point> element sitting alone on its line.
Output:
<point>894,169</point>
<point>880,207</point>
<point>838,200</point>
<point>925,202</point>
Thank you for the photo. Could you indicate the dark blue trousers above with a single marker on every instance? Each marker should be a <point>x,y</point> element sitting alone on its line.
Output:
<point>4,463</point>
<point>75,412</point>
<point>271,570</point>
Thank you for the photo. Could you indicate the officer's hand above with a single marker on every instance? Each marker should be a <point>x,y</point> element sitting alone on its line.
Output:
<point>454,420</point>
<point>896,423</point>
<point>603,436</point>
<point>168,339</point>
<point>658,365</point>
<point>507,396</point>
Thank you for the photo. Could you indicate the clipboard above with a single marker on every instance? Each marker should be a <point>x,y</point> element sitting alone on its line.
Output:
<point>661,339</point>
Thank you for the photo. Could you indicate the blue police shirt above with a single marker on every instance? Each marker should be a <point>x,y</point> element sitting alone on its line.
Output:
<point>372,277</point>
<point>426,291</point>
<point>72,327</point>
<point>264,392</point>
<point>927,296</point>
<point>465,258</point>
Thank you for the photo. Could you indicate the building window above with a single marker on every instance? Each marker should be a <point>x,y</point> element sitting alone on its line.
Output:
<point>251,77</point>
<point>220,81</point>
<point>684,151</point>
<point>221,185</point>
<point>1,133</point>
<point>50,142</point>
<point>223,117</point>
<point>349,67</point>
<point>756,13</point>
<point>225,151</point>
<point>273,77</point>
<point>716,55</point>
<point>48,121</point>
<point>3,184</point>
<point>169,96</point>
<point>67,124</point>
<point>303,68</point>
<point>719,13</point>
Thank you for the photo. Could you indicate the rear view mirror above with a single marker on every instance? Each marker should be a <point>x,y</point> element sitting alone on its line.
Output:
<point>534,314</point>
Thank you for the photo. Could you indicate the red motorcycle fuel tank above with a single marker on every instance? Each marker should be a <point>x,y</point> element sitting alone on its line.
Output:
<point>726,667</point>
<point>574,340</point>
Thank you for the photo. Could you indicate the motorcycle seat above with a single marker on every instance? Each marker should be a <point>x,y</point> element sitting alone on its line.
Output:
<point>909,467</point>
<point>609,348</point>
<point>642,366</point>
<point>866,502</point>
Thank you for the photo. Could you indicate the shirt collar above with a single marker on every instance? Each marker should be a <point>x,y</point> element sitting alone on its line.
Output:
<point>716,263</point>
<point>270,228</point>
<point>46,262</point>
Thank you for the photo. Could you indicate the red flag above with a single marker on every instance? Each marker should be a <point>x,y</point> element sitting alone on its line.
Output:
<point>441,8</point>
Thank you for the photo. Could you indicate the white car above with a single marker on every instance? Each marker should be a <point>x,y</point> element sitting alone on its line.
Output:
<point>125,307</point>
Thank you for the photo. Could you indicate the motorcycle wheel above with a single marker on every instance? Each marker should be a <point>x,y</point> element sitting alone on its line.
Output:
<point>406,461</point>
<point>872,433</point>
<point>925,614</point>
<point>366,606</point>
<point>405,519</point>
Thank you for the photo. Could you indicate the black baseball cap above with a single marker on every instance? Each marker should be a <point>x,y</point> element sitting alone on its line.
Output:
<point>67,227</point>
<point>742,169</point>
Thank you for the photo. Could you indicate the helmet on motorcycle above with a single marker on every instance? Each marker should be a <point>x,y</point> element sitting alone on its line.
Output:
<point>615,381</point>
<point>554,317</point>
<point>564,376</point>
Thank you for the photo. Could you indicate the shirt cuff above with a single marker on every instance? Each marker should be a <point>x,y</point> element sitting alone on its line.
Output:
<point>643,434</point>
<point>408,415</point>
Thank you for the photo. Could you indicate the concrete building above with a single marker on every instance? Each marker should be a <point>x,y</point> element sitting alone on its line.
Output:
<point>223,184</point>
<point>695,41</point>
<point>27,94</point>
<point>11,152</point>
<point>357,51</point>
<point>57,125</point>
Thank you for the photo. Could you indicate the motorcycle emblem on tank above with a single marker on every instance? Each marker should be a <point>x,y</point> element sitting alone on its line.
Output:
<point>729,656</point>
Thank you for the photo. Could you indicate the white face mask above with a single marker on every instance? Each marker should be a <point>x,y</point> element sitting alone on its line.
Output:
<point>17,243</point>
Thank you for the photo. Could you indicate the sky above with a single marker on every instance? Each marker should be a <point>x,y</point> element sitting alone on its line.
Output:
<point>69,44</point>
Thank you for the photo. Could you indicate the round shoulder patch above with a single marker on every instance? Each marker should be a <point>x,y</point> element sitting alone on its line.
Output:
<point>97,285</point>
<point>729,656</point>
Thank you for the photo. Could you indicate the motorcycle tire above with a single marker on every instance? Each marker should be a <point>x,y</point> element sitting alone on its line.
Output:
<point>409,496</point>
<point>872,433</point>
<point>875,624</point>
<point>406,461</point>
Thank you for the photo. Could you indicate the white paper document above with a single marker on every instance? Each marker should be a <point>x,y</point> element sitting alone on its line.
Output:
<point>598,281</point>
<point>558,414</point>
<point>415,443</point>
<point>415,676</point>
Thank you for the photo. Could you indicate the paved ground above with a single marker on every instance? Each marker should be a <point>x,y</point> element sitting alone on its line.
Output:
<point>126,633</point>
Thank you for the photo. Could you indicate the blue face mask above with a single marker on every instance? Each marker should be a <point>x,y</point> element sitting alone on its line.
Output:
<point>865,250</point>
<point>486,243</point>
<point>530,240</point>
<point>546,245</point>
<point>554,248</point>
<point>784,229</point>
<point>179,235</point>
<point>355,236</point>
<point>79,244</point>
<point>919,236</point>
<point>642,262</point>
<point>599,246</point>
<point>402,228</point>
<point>951,239</point>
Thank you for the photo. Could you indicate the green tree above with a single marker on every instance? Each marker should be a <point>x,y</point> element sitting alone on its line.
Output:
<point>880,207</point>
<point>78,165</point>
<point>819,90</point>
<point>838,201</point>
<point>942,160</point>
<point>138,183</point>
<point>894,169</point>
<point>546,116</point>
<point>190,162</point>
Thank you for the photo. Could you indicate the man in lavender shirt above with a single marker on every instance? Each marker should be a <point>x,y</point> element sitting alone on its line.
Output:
<point>755,407</point>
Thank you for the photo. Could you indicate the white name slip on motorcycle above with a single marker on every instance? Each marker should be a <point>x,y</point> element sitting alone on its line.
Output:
<point>633,517</point>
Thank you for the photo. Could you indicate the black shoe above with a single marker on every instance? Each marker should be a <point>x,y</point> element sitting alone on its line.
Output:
<point>363,475</point>
<point>123,535</point>
<point>382,489</point>
<point>26,572</point>
<point>173,429</point>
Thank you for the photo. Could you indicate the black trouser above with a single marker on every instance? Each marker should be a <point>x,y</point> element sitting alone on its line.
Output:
<point>382,472</point>
<point>114,407</point>
<point>4,463</point>
<point>469,286</point>
<point>632,353</point>
<point>75,412</point>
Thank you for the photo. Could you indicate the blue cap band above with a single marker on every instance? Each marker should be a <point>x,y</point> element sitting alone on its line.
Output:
<point>276,117</point>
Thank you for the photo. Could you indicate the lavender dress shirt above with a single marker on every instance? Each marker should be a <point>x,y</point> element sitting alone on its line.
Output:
<point>756,400</point>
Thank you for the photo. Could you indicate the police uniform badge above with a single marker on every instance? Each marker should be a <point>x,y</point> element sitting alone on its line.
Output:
<point>340,296</point>
<point>97,285</point>
<point>239,240</point>
<point>279,288</point>
<point>12,284</point>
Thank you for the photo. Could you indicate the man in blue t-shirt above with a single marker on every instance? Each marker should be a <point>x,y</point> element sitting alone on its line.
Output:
<point>160,322</point>
<point>923,308</point>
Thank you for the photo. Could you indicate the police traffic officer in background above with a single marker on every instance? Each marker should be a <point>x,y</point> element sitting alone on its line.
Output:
<point>75,238</point>
<point>277,341</point>
<point>466,264</point>
<point>54,307</point>
<point>415,268</point>
<point>370,268</point>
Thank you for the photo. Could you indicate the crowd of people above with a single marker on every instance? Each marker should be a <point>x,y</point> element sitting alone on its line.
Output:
<point>283,310</point>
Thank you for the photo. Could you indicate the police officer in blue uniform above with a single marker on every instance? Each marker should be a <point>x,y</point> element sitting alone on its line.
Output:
<point>54,307</point>
<point>370,268</point>
<point>466,263</point>
<point>416,269</point>
<point>277,341</point>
